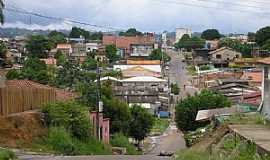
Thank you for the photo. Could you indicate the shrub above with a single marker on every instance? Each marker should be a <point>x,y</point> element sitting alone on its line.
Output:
<point>70,115</point>
<point>6,155</point>
<point>119,140</point>
<point>187,109</point>
<point>60,140</point>
<point>14,74</point>
<point>175,89</point>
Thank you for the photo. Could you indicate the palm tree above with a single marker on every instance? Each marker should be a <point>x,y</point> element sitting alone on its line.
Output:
<point>2,5</point>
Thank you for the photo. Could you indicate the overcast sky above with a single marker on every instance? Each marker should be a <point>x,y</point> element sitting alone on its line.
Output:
<point>229,16</point>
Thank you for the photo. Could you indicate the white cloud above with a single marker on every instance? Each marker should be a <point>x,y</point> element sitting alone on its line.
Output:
<point>152,15</point>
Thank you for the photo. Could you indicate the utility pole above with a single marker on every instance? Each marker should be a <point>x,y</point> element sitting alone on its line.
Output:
<point>98,101</point>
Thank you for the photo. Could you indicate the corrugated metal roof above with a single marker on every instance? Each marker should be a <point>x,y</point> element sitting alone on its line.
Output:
<point>143,79</point>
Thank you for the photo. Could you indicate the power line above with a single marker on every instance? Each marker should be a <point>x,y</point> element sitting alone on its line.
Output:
<point>230,3</point>
<point>208,7</point>
<point>21,11</point>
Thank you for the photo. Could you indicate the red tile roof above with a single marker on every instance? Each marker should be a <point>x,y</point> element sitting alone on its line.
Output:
<point>143,62</point>
<point>253,76</point>
<point>264,61</point>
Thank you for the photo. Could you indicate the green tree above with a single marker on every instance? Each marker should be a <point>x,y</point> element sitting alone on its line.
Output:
<point>131,32</point>
<point>70,115</point>
<point>262,35</point>
<point>157,54</point>
<point>210,34</point>
<point>266,45</point>
<point>238,46</point>
<point>35,70</point>
<point>141,123</point>
<point>251,36</point>
<point>187,109</point>
<point>119,115</point>
<point>89,64</point>
<point>38,46</point>
<point>3,49</point>
<point>189,43</point>
<point>111,53</point>
<point>14,74</point>
<point>57,37</point>
<point>175,89</point>
<point>60,58</point>
<point>67,75</point>
<point>96,36</point>
<point>2,6</point>
<point>77,32</point>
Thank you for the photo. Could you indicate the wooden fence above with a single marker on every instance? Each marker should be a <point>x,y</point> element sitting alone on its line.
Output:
<point>16,98</point>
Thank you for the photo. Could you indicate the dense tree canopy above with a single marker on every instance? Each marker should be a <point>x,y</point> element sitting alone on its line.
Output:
<point>89,64</point>
<point>211,34</point>
<point>243,48</point>
<point>141,123</point>
<point>157,54</point>
<point>186,110</point>
<point>262,35</point>
<point>111,53</point>
<point>77,32</point>
<point>38,46</point>
<point>57,37</point>
<point>131,32</point>
<point>189,43</point>
<point>251,37</point>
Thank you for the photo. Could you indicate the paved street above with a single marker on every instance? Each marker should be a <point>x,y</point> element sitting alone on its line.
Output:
<point>171,141</point>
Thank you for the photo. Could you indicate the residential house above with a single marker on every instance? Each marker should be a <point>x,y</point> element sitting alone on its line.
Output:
<point>124,43</point>
<point>141,50</point>
<point>138,71</point>
<point>100,54</point>
<point>50,61</point>
<point>150,92</point>
<point>223,56</point>
<point>65,48</point>
<point>78,52</point>
<point>92,46</point>
<point>254,77</point>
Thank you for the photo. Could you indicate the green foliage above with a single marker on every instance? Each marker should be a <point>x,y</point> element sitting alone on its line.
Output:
<point>14,74</point>
<point>35,70</point>
<point>38,46</point>
<point>238,46</point>
<point>205,67</point>
<point>186,110</point>
<point>70,115</point>
<point>157,54</point>
<point>189,43</point>
<point>87,91</point>
<point>266,46</point>
<point>7,155</point>
<point>60,58</point>
<point>3,49</point>
<point>77,32</point>
<point>211,34</point>
<point>96,36</point>
<point>119,114</point>
<point>131,32</point>
<point>89,64</point>
<point>160,125</point>
<point>111,53</point>
<point>67,75</point>
<point>175,89</point>
<point>141,123</point>
<point>113,73</point>
<point>120,140</point>
<point>251,36</point>
<point>57,37</point>
<point>262,35</point>
<point>60,140</point>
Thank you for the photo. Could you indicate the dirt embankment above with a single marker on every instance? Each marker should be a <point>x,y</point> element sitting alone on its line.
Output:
<point>20,128</point>
<point>206,142</point>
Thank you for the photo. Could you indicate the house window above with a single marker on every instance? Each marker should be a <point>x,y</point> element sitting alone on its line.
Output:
<point>218,56</point>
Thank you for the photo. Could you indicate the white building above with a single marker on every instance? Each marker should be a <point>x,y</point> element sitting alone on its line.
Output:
<point>180,32</point>
<point>93,46</point>
<point>164,37</point>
